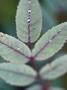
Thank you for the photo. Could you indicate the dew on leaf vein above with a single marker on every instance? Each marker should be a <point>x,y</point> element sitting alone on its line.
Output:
<point>29,20</point>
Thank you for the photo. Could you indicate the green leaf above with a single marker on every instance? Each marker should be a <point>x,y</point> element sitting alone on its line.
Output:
<point>13,50</point>
<point>56,88</point>
<point>39,87</point>
<point>18,75</point>
<point>51,42</point>
<point>35,87</point>
<point>28,32</point>
<point>55,69</point>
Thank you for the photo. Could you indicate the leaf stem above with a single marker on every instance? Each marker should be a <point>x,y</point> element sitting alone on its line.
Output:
<point>32,59</point>
<point>44,86</point>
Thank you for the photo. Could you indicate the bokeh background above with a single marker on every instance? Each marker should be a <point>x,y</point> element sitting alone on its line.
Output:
<point>53,11</point>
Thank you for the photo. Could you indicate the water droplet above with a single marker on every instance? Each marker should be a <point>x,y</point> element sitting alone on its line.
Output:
<point>50,40</point>
<point>29,1</point>
<point>29,11</point>
<point>18,48</point>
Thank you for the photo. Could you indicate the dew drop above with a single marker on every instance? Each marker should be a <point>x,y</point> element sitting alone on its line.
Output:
<point>50,40</point>
<point>18,48</point>
<point>29,1</point>
<point>29,11</point>
<point>28,20</point>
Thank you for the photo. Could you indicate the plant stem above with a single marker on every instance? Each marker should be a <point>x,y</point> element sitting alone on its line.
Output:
<point>43,86</point>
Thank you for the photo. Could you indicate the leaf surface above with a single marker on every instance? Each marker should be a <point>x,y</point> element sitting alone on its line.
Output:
<point>13,50</point>
<point>28,20</point>
<point>35,87</point>
<point>51,42</point>
<point>56,88</point>
<point>18,75</point>
<point>55,69</point>
<point>39,87</point>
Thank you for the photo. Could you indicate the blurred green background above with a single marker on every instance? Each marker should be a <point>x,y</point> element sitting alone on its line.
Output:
<point>54,12</point>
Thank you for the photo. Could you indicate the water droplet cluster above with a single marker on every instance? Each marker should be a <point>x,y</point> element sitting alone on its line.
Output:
<point>29,20</point>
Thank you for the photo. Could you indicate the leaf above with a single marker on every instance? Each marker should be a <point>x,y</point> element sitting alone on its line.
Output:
<point>56,88</point>
<point>39,87</point>
<point>35,87</point>
<point>51,42</point>
<point>4,86</point>
<point>18,75</point>
<point>55,69</point>
<point>28,30</point>
<point>13,50</point>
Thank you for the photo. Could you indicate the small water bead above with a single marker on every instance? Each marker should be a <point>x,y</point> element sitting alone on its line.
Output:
<point>29,1</point>
<point>29,11</point>
<point>50,41</point>
<point>18,48</point>
<point>28,20</point>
